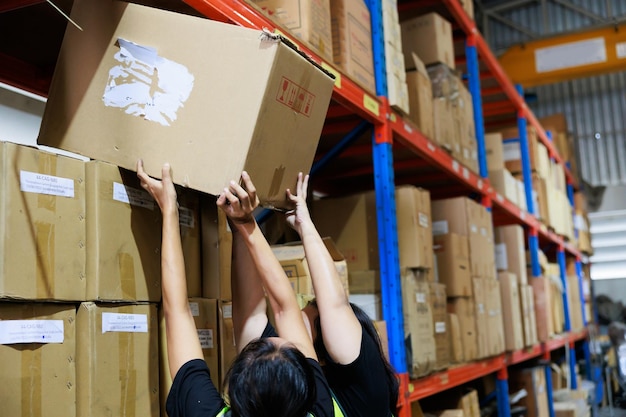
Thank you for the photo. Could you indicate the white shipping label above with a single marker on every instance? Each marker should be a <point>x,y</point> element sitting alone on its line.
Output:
<point>127,323</point>
<point>132,196</point>
<point>206,338</point>
<point>227,311</point>
<point>440,227</point>
<point>31,331</point>
<point>440,327</point>
<point>195,309</point>
<point>511,151</point>
<point>483,231</point>
<point>502,262</point>
<point>33,182</point>
<point>423,220</point>
<point>146,85</point>
<point>481,308</point>
<point>186,218</point>
<point>420,297</point>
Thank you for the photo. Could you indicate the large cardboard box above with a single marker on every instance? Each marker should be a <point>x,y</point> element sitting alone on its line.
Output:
<point>352,41</point>
<point>511,246</point>
<point>227,343</point>
<point>495,325</point>
<point>453,265</point>
<point>293,260</point>
<point>117,360</point>
<point>511,311</point>
<point>237,93</point>
<point>574,303</point>
<point>430,37</point>
<point>124,237</point>
<point>37,358</point>
<point>465,310</point>
<point>456,341</point>
<point>534,382</point>
<point>418,323</point>
<point>42,225</point>
<point>446,126</point>
<point>506,185</point>
<point>217,248</point>
<point>364,282</point>
<point>528,313</point>
<point>482,317</point>
<point>543,309</point>
<point>204,312</point>
<point>538,153</point>
<point>415,236</point>
<point>438,305</point>
<point>307,20</point>
<point>421,98</point>
<point>494,151</point>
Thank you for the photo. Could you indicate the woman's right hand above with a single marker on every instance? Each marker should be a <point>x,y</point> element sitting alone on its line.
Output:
<point>239,203</point>
<point>162,191</point>
<point>300,215</point>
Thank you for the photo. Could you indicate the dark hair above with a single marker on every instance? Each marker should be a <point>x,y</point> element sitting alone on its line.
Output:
<point>270,381</point>
<point>368,326</point>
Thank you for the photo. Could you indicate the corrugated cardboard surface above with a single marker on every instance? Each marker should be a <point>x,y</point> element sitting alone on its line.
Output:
<point>118,370</point>
<point>39,379</point>
<point>482,316</point>
<point>533,380</point>
<point>456,342</point>
<point>42,232</point>
<point>352,41</point>
<point>204,313</point>
<point>244,96</point>
<point>465,310</point>
<point>543,310</point>
<point>430,36</point>
<point>228,349</point>
<point>513,239</point>
<point>123,236</point>
<point>418,323</point>
<point>438,305</point>
<point>421,100</point>
<point>494,319</point>
<point>415,237</point>
<point>217,247</point>
<point>307,20</point>
<point>453,265</point>
<point>511,311</point>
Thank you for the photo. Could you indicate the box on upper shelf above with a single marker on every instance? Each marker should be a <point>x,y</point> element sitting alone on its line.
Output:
<point>430,37</point>
<point>420,99</point>
<point>260,97</point>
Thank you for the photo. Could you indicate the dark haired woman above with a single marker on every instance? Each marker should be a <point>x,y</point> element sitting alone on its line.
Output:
<point>277,377</point>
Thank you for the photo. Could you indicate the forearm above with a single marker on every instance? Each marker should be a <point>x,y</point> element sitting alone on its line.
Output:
<point>173,281</point>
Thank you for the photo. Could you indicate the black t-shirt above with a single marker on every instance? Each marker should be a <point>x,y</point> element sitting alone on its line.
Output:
<point>193,394</point>
<point>361,387</point>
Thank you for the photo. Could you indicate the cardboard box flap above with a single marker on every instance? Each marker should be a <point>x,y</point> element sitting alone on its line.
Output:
<point>295,250</point>
<point>419,65</point>
<point>332,249</point>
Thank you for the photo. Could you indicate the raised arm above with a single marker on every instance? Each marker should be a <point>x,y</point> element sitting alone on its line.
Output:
<point>183,344</point>
<point>238,204</point>
<point>340,327</point>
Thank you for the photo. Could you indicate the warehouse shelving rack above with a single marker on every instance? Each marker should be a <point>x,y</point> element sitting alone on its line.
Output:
<point>355,111</point>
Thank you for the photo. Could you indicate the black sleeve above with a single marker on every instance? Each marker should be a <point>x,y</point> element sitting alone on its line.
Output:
<point>193,394</point>
<point>269,331</point>
<point>323,406</point>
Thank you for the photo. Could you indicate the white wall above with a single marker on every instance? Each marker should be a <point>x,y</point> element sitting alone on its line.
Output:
<point>20,116</point>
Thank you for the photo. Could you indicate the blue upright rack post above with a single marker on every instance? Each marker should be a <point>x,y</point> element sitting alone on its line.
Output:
<point>384,184</point>
<point>586,352</point>
<point>473,77</point>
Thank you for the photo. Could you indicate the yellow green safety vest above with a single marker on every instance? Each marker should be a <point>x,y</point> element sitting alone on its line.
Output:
<point>338,412</point>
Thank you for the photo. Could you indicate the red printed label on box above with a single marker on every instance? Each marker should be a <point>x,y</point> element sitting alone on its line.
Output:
<point>295,97</point>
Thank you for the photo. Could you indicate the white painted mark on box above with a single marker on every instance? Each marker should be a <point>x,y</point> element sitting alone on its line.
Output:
<point>132,196</point>
<point>206,338</point>
<point>147,85</point>
<point>31,331</point>
<point>126,323</point>
<point>33,182</point>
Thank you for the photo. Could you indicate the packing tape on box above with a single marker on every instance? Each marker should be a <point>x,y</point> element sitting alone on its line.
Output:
<point>31,381</point>
<point>128,374</point>
<point>45,236</point>
<point>126,266</point>
<point>47,164</point>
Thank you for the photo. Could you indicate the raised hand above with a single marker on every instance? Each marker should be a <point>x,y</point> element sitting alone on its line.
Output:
<point>238,202</point>
<point>300,215</point>
<point>162,191</point>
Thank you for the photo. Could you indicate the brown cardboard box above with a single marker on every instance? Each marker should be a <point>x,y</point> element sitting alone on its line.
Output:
<point>506,185</point>
<point>364,282</point>
<point>381,328</point>
<point>510,240</point>
<point>543,310</point>
<point>420,99</point>
<point>511,311</point>
<point>438,305</point>
<point>351,222</point>
<point>468,6</point>
<point>542,210</point>
<point>204,312</point>
<point>538,153</point>
<point>430,37</point>
<point>446,126</point>
<point>117,360</point>
<point>494,151</point>
<point>533,381</point>
<point>415,236</point>
<point>482,317</point>
<point>293,260</point>
<point>307,20</point>
<point>469,404</point>
<point>574,303</point>
<point>228,348</point>
<point>532,318</point>
<point>418,323</point>
<point>464,113</point>
<point>456,341</point>
<point>42,225</point>
<point>465,310</point>
<point>495,325</point>
<point>38,378</point>
<point>453,265</point>
<point>465,217</point>
<point>217,247</point>
<point>352,41</point>
<point>263,95</point>
<point>124,237</point>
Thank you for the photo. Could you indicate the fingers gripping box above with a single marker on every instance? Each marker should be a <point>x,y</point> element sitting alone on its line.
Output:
<point>211,98</point>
